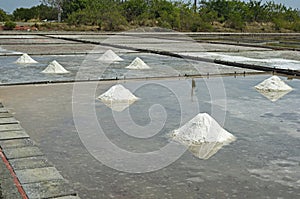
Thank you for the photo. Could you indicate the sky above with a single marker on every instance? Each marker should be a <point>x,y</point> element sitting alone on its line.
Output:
<point>10,5</point>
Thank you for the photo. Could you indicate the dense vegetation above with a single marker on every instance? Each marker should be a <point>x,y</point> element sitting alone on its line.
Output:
<point>209,15</point>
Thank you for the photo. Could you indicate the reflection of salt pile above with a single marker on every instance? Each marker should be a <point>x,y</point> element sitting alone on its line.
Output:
<point>274,83</point>
<point>25,59</point>
<point>118,98</point>
<point>110,56</point>
<point>55,67</point>
<point>138,64</point>
<point>273,95</point>
<point>273,88</point>
<point>203,136</point>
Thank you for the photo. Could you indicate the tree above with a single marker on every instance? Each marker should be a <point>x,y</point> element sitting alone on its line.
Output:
<point>56,4</point>
<point>23,14</point>
<point>3,15</point>
<point>39,12</point>
<point>134,8</point>
<point>70,6</point>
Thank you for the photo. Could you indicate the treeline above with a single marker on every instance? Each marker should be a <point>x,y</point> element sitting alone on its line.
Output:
<point>39,12</point>
<point>177,15</point>
<point>237,14</point>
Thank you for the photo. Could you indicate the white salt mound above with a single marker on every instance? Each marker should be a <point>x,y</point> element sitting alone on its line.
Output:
<point>118,93</point>
<point>110,55</point>
<point>25,59</point>
<point>55,67</point>
<point>138,64</point>
<point>274,83</point>
<point>202,129</point>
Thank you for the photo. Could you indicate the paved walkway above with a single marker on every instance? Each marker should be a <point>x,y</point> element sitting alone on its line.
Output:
<point>24,170</point>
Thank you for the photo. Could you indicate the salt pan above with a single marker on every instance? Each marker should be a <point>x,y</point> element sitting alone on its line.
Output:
<point>138,64</point>
<point>273,83</point>
<point>110,56</point>
<point>55,67</point>
<point>25,59</point>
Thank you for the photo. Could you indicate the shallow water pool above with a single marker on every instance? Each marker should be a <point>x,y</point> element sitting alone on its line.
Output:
<point>262,163</point>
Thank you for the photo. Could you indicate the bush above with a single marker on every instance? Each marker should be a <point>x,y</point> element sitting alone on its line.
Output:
<point>9,25</point>
<point>296,26</point>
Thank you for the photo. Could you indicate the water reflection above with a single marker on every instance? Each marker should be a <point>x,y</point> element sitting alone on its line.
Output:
<point>193,89</point>
<point>273,95</point>
<point>205,150</point>
<point>117,106</point>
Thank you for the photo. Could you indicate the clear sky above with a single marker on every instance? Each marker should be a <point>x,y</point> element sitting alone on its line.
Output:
<point>10,5</point>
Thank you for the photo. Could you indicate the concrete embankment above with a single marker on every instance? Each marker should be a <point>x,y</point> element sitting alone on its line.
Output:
<point>25,172</point>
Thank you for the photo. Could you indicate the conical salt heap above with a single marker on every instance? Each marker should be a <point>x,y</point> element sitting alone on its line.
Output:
<point>110,56</point>
<point>138,64</point>
<point>118,98</point>
<point>55,68</point>
<point>203,136</point>
<point>273,83</point>
<point>273,88</point>
<point>25,59</point>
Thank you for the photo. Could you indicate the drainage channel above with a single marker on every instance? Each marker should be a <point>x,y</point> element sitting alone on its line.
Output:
<point>31,173</point>
<point>185,76</point>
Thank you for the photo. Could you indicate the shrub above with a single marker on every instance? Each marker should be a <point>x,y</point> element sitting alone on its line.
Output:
<point>9,25</point>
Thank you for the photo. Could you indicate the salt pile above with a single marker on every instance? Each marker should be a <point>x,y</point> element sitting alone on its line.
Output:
<point>110,56</point>
<point>118,98</point>
<point>202,128</point>
<point>25,59</point>
<point>203,136</point>
<point>273,83</point>
<point>138,64</point>
<point>55,67</point>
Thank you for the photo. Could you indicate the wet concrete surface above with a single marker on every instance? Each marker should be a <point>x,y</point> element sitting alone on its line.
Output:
<point>24,170</point>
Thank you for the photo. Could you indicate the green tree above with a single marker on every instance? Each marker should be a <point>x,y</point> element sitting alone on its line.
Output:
<point>56,4</point>
<point>39,12</point>
<point>70,6</point>
<point>3,15</point>
<point>133,9</point>
<point>23,14</point>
